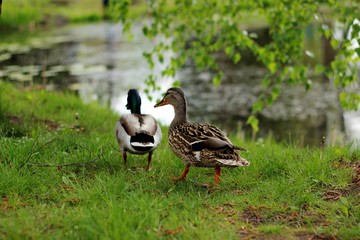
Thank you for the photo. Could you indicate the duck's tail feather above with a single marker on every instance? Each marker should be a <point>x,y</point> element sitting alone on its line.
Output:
<point>234,163</point>
<point>142,142</point>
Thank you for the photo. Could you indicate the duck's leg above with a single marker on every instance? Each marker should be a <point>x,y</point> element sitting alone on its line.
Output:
<point>183,175</point>
<point>217,174</point>
<point>124,157</point>
<point>149,160</point>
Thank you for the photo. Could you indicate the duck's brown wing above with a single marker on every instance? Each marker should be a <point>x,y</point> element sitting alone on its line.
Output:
<point>206,136</point>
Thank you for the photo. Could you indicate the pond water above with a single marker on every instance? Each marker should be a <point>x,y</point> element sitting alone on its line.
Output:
<point>100,63</point>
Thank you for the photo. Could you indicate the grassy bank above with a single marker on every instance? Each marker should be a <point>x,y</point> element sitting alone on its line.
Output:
<point>62,176</point>
<point>22,19</point>
<point>31,15</point>
<point>34,15</point>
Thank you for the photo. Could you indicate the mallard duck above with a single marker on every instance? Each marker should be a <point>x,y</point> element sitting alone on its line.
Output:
<point>137,133</point>
<point>200,145</point>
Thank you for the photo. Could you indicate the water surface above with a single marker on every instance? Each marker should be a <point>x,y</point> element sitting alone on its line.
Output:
<point>100,63</point>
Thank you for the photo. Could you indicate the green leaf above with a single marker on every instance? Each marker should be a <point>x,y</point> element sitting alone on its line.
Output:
<point>148,57</point>
<point>319,69</point>
<point>334,43</point>
<point>327,31</point>
<point>285,72</point>
<point>257,106</point>
<point>266,82</point>
<point>217,79</point>
<point>145,30</point>
<point>357,50</point>
<point>130,36</point>
<point>168,72</point>
<point>275,92</point>
<point>355,31</point>
<point>229,51</point>
<point>237,57</point>
<point>350,101</point>
<point>176,83</point>
<point>161,58</point>
<point>308,84</point>
<point>272,67</point>
<point>269,100</point>
<point>127,27</point>
<point>254,123</point>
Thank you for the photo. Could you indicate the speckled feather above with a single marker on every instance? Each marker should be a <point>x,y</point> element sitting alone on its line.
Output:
<point>200,145</point>
<point>182,135</point>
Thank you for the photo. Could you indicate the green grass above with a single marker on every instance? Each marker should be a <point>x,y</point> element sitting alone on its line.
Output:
<point>29,16</point>
<point>32,15</point>
<point>22,19</point>
<point>286,192</point>
<point>81,10</point>
<point>21,14</point>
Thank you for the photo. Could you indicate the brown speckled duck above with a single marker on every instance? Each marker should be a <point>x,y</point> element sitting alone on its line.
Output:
<point>137,133</point>
<point>200,145</point>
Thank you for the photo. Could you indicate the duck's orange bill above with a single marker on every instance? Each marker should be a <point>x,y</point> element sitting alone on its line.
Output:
<point>161,103</point>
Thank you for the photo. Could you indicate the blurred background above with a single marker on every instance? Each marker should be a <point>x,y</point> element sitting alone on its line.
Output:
<point>62,45</point>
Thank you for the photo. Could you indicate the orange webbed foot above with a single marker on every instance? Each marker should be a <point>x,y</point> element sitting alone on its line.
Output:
<point>183,175</point>
<point>217,175</point>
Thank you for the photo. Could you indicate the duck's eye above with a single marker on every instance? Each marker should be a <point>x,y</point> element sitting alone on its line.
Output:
<point>166,94</point>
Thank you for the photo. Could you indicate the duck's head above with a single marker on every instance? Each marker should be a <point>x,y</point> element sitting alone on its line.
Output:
<point>133,101</point>
<point>173,96</point>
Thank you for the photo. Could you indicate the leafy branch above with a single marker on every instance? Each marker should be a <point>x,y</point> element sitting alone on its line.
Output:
<point>198,30</point>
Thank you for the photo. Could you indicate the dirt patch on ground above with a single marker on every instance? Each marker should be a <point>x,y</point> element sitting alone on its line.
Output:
<point>6,204</point>
<point>353,187</point>
<point>51,125</point>
<point>286,216</point>
<point>311,236</point>
<point>170,232</point>
<point>251,234</point>
<point>251,217</point>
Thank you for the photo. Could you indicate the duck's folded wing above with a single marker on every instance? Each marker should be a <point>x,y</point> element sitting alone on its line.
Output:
<point>205,136</point>
<point>211,143</point>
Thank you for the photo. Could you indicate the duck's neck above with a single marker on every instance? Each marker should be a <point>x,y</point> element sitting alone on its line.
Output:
<point>134,101</point>
<point>136,109</point>
<point>135,106</point>
<point>180,114</point>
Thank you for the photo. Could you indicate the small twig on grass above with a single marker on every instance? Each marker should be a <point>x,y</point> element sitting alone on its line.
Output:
<point>33,152</point>
<point>322,145</point>
<point>96,157</point>
<point>62,165</point>
<point>115,148</point>
<point>101,155</point>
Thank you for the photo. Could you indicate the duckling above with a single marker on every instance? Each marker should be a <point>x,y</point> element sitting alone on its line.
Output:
<point>137,133</point>
<point>200,145</point>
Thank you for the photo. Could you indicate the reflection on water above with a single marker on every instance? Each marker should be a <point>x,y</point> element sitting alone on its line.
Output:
<point>300,116</point>
<point>96,60</point>
<point>101,64</point>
